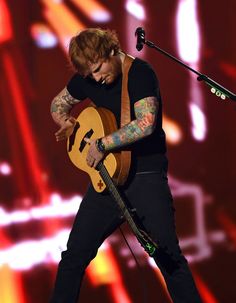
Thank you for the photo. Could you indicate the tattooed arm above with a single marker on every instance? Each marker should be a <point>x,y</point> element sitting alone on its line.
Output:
<point>145,111</point>
<point>61,106</point>
<point>60,111</point>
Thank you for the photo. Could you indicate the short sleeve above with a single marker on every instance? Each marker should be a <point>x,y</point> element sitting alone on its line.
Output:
<point>142,81</point>
<point>76,86</point>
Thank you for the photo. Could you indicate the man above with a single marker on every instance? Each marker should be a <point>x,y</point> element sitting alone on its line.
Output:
<point>98,59</point>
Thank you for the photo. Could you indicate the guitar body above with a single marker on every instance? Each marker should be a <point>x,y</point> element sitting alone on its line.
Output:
<point>93,123</point>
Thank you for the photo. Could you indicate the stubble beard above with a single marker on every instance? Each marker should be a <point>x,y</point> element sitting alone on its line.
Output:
<point>116,70</point>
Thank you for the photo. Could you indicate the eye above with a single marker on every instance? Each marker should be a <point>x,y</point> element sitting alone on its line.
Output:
<point>97,69</point>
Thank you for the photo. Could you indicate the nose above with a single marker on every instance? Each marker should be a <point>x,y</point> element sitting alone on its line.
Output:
<point>97,77</point>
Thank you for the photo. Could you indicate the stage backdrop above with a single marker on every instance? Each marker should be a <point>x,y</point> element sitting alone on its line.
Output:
<point>41,190</point>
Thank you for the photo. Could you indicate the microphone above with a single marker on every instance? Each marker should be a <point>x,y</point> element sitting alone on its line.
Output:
<point>140,34</point>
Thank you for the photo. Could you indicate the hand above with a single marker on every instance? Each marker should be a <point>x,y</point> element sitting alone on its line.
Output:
<point>94,156</point>
<point>66,129</point>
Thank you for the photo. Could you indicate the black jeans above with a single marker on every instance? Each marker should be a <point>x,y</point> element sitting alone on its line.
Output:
<point>98,217</point>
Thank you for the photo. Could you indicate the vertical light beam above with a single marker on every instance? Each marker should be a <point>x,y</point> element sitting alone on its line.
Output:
<point>25,127</point>
<point>5,23</point>
<point>94,10</point>
<point>188,37</point>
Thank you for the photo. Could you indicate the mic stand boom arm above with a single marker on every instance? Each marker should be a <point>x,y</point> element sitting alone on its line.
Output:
<point>216,88</point>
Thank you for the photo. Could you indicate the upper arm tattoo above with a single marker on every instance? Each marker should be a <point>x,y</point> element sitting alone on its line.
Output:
<point>145,112</point>
<point>62,105</point>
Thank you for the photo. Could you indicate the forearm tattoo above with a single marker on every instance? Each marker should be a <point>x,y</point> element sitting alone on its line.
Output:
<point>62,105</point>
<point>145,112</point>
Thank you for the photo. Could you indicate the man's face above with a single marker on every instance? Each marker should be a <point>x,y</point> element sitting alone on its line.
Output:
<point>106,71</point>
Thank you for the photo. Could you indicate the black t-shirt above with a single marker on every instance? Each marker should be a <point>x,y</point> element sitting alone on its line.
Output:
<point>148,153</point>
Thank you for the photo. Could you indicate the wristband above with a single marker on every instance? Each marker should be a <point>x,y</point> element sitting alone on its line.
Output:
<point>100,145</point>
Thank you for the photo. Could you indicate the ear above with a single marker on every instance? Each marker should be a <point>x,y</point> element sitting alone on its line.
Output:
<point>112,53</point>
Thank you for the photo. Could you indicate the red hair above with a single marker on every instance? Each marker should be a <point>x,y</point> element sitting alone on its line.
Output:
<point>89,46</point>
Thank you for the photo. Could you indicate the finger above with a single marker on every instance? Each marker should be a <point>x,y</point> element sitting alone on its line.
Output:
<point>57,133</point>
<point>72,120</point>
<point>90,161</point>
<point>60,137</point>
<point>95,163</point>
<point>87,140</point>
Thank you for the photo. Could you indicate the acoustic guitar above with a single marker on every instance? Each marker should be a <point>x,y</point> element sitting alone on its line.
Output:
<point>94,123</point>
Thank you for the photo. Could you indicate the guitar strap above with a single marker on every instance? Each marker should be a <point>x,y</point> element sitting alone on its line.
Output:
<point>125,156</point>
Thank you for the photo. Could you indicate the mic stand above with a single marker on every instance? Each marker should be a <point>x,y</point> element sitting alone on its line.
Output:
<point>216,88</point>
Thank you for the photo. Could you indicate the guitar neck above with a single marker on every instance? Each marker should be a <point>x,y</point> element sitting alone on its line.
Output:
<point>117,197</point>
